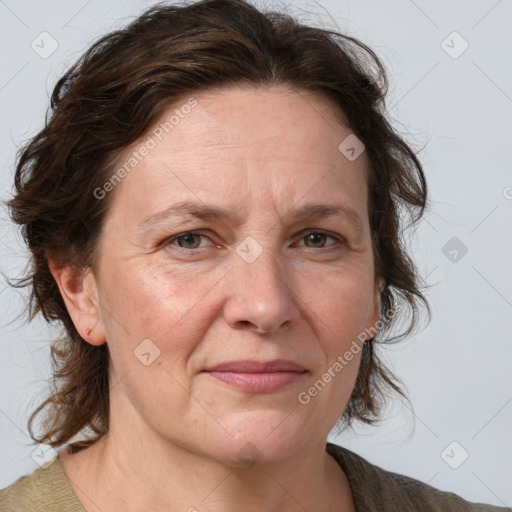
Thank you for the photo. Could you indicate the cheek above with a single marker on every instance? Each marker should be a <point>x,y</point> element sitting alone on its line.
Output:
<point>169,307</point>
<point>136,294</point>
<point>341,299</point>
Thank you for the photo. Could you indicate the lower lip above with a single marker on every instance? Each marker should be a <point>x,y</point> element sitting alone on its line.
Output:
<point>258,382</point>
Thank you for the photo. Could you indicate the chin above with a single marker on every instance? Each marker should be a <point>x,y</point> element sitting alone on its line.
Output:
<point>261,436</point>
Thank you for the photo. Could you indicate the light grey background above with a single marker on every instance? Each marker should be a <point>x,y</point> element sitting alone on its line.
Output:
<point>456,113</point>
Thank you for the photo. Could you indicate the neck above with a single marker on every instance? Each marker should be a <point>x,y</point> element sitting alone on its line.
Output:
<point>158,475</point>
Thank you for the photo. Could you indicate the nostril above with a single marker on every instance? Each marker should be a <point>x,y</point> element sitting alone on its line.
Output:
<point>244,323</point>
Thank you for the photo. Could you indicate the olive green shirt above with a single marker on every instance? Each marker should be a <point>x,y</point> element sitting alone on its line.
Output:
<point>374,490</point>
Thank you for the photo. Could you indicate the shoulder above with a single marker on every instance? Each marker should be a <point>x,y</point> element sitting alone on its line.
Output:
<point>45,489</point>
<point>376,489</point>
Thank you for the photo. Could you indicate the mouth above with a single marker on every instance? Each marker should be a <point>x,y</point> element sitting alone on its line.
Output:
<point>257,376</point>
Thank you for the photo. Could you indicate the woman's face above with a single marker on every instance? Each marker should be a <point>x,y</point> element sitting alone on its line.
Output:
<point>238,237</point>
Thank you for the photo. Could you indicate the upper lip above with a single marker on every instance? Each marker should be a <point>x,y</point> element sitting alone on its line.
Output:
<point>248,366</point>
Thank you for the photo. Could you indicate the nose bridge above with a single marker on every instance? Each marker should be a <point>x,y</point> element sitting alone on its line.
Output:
<point>259,262</point>
<point>259,293</point>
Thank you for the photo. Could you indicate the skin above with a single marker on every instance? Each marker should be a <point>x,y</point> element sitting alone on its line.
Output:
<point>175,431</point>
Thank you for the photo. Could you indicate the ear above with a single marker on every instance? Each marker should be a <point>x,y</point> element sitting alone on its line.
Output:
<point>80,294</point>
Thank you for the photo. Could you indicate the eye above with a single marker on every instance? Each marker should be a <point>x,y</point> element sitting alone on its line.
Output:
<point>317,239</point>
<point>187,241</point>
<point>191,240</point>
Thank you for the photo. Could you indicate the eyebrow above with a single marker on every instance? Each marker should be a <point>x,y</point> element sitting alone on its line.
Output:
<point>207,212</point>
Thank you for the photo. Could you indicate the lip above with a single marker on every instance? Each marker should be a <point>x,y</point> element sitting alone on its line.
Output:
<point>249,366</point>
<point>257,376</point>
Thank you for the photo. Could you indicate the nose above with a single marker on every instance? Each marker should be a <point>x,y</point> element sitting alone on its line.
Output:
<point>260,295</point>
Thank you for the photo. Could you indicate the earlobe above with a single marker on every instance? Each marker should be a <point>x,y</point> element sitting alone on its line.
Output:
<point>79,291</point>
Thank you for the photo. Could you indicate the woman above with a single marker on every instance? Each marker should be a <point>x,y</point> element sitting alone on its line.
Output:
<point>213,211</point>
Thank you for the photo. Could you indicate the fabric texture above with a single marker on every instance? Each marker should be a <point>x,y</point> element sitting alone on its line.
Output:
<point>377,490</point>
<point>374,490</point>
<point>46,489</point>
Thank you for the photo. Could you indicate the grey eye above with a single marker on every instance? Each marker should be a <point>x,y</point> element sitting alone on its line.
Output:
<point>188,241</point>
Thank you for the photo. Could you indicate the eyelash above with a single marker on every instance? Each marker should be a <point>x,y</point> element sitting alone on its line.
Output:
<point>169,241</point>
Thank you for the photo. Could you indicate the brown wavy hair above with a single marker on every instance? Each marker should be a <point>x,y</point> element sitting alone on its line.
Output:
<point>116,91</point>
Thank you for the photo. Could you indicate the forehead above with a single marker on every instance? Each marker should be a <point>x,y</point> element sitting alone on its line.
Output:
<point>278,115</point>
<point>236,144</point>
